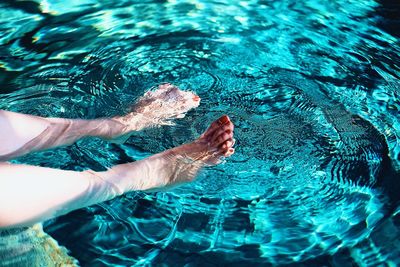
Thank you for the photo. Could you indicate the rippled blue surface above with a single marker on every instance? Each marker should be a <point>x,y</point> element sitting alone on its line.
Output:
<point>313,88</point>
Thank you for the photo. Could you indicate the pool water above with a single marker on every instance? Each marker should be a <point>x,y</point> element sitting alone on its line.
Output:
<point>312,87</point>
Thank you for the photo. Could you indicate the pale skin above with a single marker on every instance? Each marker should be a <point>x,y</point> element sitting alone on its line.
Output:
<point>31,194</point>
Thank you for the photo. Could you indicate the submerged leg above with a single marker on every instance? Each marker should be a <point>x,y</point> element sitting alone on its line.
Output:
<point>30,194</point>
<point>21,133</point>
<point>160,106</point>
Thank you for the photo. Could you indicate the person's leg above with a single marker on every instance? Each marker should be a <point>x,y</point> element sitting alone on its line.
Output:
<point>30,194</point>
<point>21,133</point>
<point>175,165</point>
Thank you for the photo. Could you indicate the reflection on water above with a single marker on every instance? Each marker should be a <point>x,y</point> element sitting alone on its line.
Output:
<point>313,89</point>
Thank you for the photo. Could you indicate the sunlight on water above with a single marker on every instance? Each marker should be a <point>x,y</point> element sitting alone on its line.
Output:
<point>313,90</point>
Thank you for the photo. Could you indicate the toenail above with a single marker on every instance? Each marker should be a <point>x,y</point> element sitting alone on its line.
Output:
<point>224,119</point>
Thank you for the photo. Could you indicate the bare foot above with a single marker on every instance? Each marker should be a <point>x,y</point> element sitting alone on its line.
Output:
<point>160,107</point>
<point>183,162</point>
<point>176,165</point>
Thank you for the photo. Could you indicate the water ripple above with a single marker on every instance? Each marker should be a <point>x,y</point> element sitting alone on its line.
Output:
<point>313,89</point>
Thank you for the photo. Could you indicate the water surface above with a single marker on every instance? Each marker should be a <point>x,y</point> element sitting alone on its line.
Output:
<point>312,87</point>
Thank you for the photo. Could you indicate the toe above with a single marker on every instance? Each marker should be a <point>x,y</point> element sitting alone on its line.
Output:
<point>227,144</point>
<point>216,125</point>
<point>224,128</point>
<point>222,138</point>
<point>224,119</point>
<point>230,152</point>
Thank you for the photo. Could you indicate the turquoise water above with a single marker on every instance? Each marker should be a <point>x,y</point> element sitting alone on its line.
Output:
<point>312,87</point>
